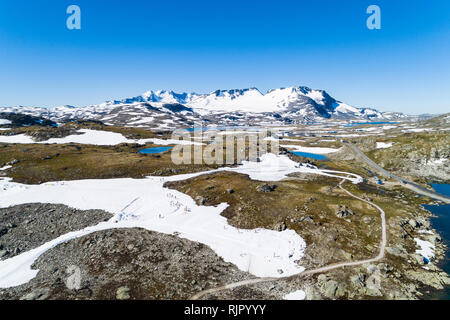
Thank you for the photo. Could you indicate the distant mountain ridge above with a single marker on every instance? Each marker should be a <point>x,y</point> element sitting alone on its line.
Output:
<point>162,108</point>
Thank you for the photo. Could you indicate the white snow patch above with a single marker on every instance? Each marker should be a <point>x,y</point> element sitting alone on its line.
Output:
<point>426,248</point>
<point>328,140</point>
<point>417,130</point>
<point>5,121</point>
<point>348,135</point>
<point>369,129</point>
<point>426,231</point>
<point>271,138</point>
<point>296,295</point>
<point>18,138</point>
<point>233,132</point>
<point>142,120</point>
<point>275,168</point>
<point>95,137</point>
<point>345,108</point>
<point>383,145</point>
<point>437,162</point>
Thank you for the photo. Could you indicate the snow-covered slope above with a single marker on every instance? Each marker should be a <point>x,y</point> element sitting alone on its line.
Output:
<point>167,109</point>
<point>245,100</point>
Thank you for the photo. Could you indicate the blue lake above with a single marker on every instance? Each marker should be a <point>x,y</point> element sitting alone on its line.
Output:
<point>353,124</point>
<point>442,225</point>
<point>309,155</point>
<point>154,150</point>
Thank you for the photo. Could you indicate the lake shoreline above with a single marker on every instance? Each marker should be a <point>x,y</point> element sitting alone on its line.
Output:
<point>440,221</point>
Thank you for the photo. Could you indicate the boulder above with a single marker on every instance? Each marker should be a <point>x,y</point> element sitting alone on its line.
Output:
<point>123,293</point>
<point>398,251</point>
<point>280,226</point>
<point>38,294</point>
<point>358,281</point>
<point>13,162</point>
<point>413,223</point>
<point>266,188</point>
<point>418,258</point>
<point>306,218</point>
<point>3,230</point>
<point>200,200</point>
<point>331,288</point>
<point>344,211</point>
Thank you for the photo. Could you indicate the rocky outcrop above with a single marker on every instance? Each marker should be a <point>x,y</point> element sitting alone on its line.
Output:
<point>27,226</point>
<point>344,212</point>
<point>331,288</point>
<point>126,264</point>
<point>397,251</point>
<point>266,187</point>
<point>19,120</point>
<point>123,293</point>
<point>419,155</point>
<point>280,226</point>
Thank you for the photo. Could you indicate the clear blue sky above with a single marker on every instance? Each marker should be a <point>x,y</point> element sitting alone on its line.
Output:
<point>127,47</point>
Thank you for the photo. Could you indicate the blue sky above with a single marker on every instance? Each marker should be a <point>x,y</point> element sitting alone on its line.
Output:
<point>127,47</point>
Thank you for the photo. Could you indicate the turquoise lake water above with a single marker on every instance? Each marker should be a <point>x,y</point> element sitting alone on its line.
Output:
<point>154,150</point>
<point>310,155</point>
<point>442,225</point>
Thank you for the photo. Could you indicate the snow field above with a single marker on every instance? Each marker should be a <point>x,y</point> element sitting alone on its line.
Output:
<point>147,204</point>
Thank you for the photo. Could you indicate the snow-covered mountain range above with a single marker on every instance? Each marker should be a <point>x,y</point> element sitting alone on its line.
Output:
<point>167,109</point>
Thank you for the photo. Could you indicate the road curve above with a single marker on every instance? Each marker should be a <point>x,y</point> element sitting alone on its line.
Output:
<point>407,184</point>
<point>312,271</point>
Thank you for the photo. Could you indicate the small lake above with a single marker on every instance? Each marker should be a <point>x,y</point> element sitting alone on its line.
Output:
<point>353,124</point>
<point>442,225</point>
<point>309,155</point>
<point>154,150</point>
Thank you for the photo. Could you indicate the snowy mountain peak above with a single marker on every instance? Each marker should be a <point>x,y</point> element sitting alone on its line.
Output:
<point>295,104</point>
<point>246,100</point>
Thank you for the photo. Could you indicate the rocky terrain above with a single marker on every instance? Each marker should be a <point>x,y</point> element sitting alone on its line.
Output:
<point>335,229</point>
<point>140,264</point>
<point>424,155</point>
<point>441,121</point>
<point>25,227</point>
<point>15,120</point>
<point>126,264</point>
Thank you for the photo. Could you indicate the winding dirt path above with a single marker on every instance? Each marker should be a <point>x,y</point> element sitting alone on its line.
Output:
<point>312,271</point>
